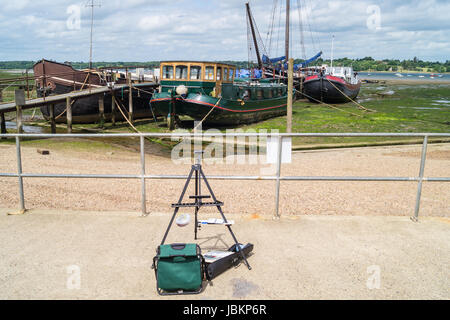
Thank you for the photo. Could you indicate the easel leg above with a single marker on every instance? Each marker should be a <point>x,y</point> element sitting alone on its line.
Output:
<point>179,201</point>
<point>225,219</point>
<point>196,201</point>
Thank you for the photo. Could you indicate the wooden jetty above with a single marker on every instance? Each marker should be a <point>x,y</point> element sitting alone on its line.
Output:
<point>21,103</point>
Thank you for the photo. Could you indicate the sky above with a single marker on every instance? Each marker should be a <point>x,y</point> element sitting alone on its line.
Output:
<point>154,30</point>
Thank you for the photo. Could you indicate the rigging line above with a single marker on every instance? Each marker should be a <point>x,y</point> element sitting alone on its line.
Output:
<point>309,25</point>
<point>300,24</point>
<point>270,31</point>
<point>259,40</point>
<point>279,30</point>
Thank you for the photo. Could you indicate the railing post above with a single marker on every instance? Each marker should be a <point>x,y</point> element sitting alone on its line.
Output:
<point>277,191</point>
<point>143,195</point>
<point>419,186</point>
<point>19,173</point>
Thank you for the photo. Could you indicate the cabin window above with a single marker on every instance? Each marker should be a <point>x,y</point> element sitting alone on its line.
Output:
<point>196,73</point>
<point>269,93</point>
<point>209,73</point>
<point>168,72</point>
<point>225,74</point>
<point>259,94</point>
<point>181,72</point>
<point>219,73</point>
<point>231,77</point>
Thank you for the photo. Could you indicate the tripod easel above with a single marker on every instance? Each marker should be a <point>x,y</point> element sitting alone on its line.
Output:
<point>198,203</point>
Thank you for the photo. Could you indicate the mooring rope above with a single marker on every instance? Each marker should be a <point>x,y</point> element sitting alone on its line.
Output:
<point>328,105</point>
<point>359,105</point>
<point>71,104</point>
<point>204,118</point>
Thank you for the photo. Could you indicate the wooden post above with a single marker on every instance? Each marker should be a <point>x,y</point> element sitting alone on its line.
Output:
<point>44,81</point>
<point>101,109</point>
<point>2,117</point>
<point>289,98</point>
<point>69,114</point>
<point>3,124</point>
<point>28,86</point>
<point>130,99</point>
<point>19,95</point>
<point>52,118</point>
<point>113,108</point>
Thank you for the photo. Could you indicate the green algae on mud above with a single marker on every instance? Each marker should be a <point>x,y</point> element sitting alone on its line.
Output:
<point>414,107</point>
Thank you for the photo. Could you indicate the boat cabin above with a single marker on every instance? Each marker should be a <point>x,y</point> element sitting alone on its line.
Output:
<point>217,80</point>
<point>345,73</point>
<point>195,75</point>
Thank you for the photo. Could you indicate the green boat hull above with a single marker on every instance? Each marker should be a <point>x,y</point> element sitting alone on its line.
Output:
<point>219,111</point>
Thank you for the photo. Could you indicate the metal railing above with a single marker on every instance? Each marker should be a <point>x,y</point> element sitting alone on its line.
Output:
<point>277,177</point>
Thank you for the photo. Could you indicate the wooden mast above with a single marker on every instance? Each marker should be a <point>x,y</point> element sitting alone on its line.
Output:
<point>250,19</point>
<point>287,30</point>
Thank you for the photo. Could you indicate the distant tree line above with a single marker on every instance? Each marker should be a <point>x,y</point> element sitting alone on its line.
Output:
<point>394,65</point>
<point>364,64</point>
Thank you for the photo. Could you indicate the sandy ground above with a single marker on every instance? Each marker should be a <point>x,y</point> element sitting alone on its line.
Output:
<point>97,255</point>
<point>332,241</point>
<point>240,197</point>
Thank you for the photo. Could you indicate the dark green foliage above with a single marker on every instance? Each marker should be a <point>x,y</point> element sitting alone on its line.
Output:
<point>367,63</point>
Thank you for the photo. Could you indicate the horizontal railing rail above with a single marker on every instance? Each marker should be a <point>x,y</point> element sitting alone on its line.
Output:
<point>278,177</point>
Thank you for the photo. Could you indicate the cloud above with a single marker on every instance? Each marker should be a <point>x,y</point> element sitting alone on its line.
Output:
<point>143,30</point>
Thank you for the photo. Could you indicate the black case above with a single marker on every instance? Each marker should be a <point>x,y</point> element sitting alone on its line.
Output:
<point>217,267</point>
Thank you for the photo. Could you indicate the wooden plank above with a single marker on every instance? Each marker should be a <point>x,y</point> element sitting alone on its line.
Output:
<point>32,103</point>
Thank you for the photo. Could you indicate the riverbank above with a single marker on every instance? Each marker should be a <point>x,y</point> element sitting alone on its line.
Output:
<point>398,105</point>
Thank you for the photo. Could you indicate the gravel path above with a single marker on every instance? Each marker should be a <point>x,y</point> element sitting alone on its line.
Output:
<point>241,197</point>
